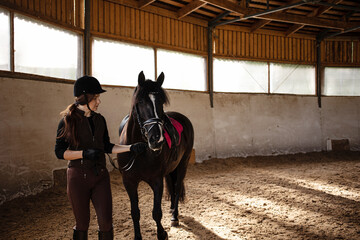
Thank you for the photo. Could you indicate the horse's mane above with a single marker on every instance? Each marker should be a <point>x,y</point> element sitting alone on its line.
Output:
<point>148,87</point>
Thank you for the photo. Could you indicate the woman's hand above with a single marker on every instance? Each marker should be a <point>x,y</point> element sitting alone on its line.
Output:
<point>138,148</point>
<point>91,154</point>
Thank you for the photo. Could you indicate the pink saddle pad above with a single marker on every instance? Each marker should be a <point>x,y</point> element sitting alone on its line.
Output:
<point>179,128</point>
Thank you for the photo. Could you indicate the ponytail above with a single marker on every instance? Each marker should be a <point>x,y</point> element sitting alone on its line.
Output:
<point>68,131</point>
<point>71,116</point>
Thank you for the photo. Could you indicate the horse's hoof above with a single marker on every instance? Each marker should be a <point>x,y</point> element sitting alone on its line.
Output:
<point>174,223</point>
<point>164,236</point>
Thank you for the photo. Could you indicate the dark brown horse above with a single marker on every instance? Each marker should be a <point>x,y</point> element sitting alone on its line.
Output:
<point>147,122</point>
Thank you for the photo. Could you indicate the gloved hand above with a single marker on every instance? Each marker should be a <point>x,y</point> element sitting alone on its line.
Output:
<point>138,148</point>
<point>91,154</point>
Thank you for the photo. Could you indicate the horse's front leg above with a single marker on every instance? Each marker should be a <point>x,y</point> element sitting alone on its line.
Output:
<point>131,189</point>
<point>158,188</point>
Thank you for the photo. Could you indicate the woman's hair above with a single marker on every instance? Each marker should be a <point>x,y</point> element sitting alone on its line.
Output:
<point>70,119</point>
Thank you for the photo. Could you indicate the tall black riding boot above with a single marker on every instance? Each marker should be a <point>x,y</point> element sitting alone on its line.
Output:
<point>80,235</point>
<point>106,235</point>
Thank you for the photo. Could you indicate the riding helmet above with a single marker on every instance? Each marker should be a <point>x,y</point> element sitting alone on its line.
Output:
<point>87,84</point>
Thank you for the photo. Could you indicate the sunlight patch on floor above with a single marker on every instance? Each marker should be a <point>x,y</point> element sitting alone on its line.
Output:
<point>218,227</point>
<point>329,186</point>
<point>332,189</point>
<point>264,214</point>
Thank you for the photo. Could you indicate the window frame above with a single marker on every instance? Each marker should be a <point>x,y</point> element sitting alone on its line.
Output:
<point>183,55</point>
<point>323,81</point>
<point>122,44</point>
<point>269,90</point>
<point>10,38</point>
<point>238,61</point>
<point>288,93</point>
<point>74,30</point>
<point>67,34</point>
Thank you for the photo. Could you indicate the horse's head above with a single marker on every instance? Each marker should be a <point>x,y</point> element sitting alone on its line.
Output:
<point>148,106</point>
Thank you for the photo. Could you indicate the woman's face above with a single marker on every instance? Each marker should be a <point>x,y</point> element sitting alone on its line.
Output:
<point>95,102</point>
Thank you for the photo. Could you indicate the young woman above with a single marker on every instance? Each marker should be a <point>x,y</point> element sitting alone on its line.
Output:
<point>83,140</point>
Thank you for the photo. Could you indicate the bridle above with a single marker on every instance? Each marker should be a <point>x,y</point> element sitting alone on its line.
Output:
<point>144,132</point>
<point>147,125</point>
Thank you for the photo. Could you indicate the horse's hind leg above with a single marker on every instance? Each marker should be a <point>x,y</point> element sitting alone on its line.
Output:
<point>131,189</point>
<point>170,185</point>
<point>158,188</point>
<point>178,177</point>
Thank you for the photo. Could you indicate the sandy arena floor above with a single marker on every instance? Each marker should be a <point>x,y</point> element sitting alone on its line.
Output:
<point>302,196</point>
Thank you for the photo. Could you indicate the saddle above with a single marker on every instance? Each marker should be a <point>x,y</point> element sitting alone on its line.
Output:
<point>173,131</point>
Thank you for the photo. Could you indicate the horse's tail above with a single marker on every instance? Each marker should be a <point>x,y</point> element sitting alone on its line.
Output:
<point>182,192</point>
<point>171,189</point>
<point>171,184</point>
<point>175,180</point>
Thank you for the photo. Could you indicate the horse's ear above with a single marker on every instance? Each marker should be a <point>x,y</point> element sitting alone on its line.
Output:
<point>141,79</point>
<point>160,79</point>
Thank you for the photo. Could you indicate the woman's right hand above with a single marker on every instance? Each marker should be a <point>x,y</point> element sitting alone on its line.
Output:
<point>138,148</point>
<point>91,154</point>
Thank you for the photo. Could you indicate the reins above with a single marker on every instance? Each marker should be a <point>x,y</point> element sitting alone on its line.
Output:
<point>127,166</point>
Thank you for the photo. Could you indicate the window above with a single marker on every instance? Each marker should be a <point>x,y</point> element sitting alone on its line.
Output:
<point>341,81</point>
<point>4,40</point>
<point>45,50</point>
<point>117,63</point>
<point>292,79</point>
<point>240,76</point>
<point>182,70</point>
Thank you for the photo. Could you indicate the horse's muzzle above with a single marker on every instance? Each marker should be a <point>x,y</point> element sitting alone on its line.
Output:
<point>155,144</point>
<point>154,130</point>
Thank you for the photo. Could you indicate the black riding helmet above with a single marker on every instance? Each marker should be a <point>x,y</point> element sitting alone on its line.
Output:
<point>87,85</point>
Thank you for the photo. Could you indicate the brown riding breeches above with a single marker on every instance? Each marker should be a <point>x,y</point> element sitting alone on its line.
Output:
<point>82,186</point>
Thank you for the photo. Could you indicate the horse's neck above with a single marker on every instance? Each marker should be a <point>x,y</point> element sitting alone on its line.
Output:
<point>133,130</point>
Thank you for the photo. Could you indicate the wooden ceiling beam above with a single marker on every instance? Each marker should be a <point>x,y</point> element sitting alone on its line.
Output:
<point>294,28</point>
<point>279,16</point>
<point>323,9</point>
<point>227,5</point>
<point>259,24</point>
<point>144,3</point>
<point>317,12</point>
<point>311,21</point>
<point>189,8</point>
<point>243,3</point>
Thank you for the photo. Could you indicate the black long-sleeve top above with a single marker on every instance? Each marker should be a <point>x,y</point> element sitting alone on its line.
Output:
<point>62,144</point>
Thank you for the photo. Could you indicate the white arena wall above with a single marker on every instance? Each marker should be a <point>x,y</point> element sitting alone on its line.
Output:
<point>238,125</point>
